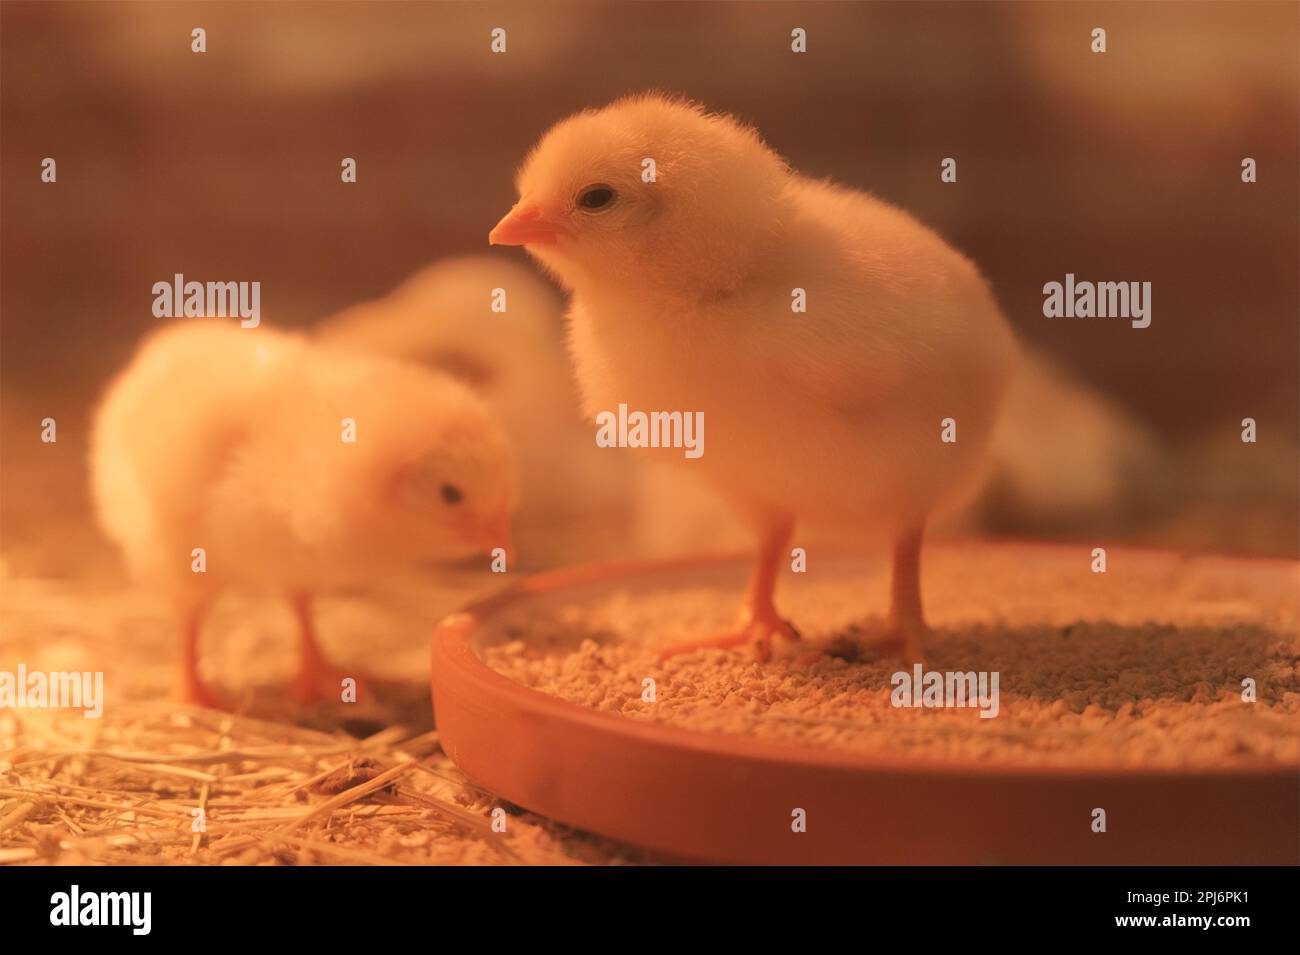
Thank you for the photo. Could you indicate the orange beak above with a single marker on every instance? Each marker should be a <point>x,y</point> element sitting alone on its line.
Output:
<point>526,225</point>
<point>498,535</point>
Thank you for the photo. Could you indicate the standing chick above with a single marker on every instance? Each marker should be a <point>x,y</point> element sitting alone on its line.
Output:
<point>681,300</point>
<point>232,440</point>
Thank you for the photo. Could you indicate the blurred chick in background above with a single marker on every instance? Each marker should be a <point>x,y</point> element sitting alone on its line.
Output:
<point>514,359</point>
<point>1066,460</point>
<point>233,441</point>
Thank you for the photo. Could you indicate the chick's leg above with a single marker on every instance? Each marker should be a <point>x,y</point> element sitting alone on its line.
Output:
<point>906,621</point>
<point>192,689</point>
<point>316,680</point>
<point>760,622</point>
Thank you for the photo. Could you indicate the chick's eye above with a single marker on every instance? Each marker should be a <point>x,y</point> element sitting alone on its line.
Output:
<point>451,494</point>
<point>596,197</point>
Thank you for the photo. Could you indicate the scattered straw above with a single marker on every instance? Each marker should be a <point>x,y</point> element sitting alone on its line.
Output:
<point>124,789</point>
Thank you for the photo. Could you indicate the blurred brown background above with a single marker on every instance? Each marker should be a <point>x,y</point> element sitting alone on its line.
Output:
<point>225,166</point>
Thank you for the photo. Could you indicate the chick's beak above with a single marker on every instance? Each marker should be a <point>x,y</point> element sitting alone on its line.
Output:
<point>498,535</point>
<point>526,224</point>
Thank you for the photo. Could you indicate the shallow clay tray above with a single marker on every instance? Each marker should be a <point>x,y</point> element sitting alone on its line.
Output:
<point>726,798</point>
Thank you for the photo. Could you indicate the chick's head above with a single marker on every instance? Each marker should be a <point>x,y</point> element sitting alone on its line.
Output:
<point>433,475</point>
<point>649,187</point>
<point>456,499</point>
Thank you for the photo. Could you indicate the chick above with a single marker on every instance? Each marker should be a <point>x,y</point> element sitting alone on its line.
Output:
<point>514,359</point>
<point>235,441</point>
<point>682,287</point>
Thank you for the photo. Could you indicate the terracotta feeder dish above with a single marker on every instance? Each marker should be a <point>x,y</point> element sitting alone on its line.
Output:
<point>731,798</point>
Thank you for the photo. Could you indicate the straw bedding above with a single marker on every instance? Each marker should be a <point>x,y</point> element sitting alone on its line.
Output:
<point>281,785</point>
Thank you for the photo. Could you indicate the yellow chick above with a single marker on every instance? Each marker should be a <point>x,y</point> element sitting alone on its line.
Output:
<point>690,248</point>
<point>231,458</point>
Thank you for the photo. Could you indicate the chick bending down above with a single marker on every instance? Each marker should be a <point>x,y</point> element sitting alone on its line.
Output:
<point>232,458</point>
<point>830,340</point>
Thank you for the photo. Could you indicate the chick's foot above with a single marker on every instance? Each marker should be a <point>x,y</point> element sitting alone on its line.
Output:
<point>758,632</point>
<point>194,692</point>
<point>318,683</point>
<point>905,639</point>
<point>190,688</point>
